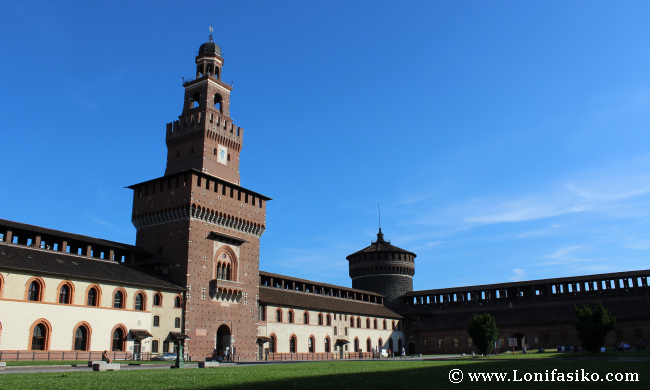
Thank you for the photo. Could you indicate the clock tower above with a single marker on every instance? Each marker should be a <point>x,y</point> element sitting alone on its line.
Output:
<point>201,226</point>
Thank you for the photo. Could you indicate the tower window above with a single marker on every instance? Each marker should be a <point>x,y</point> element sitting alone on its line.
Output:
<point>218,102</point>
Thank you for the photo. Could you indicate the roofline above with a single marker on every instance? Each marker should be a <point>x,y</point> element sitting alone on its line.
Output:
<point>84,258</point>
<point>528,283</point>
<point>264,273</point>
<point>74,236</point>
<point>203,174</point>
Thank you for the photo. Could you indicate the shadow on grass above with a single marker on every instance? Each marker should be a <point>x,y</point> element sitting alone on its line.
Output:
<point>335,375</point>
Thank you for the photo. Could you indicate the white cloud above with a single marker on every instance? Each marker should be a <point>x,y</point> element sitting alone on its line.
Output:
<point>519,274</point>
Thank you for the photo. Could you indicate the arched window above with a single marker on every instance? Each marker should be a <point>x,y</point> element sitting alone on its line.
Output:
<point>327,344</point>
<point>367,323</point>
<point>393,324</point>
<point>64,294</point>
<point>118,300</point>
<point>358,322</point>
<point>91,298</point>
<point>305,318</point>
<point>336,331</point>
<point>118,339</point>
<point>177,302</point>
<point>156,321</point>
<point>368,345</point>
<point>385,325</point>
<point>320,318</point>
<point>292,344</point>
<point>328,320</point>
<point>310,344</point>
<point>35,291</point>
<point>356,344</point>
<point>272,343</point>
<point>374,323</point>
<point>157,299</point>
<point>278,315</point>
<point>346,330</point>
<point>351,322</point>
<point>40,337</point>
<point>218,100</point>
<point>139,302</point>
<point>81,338</point>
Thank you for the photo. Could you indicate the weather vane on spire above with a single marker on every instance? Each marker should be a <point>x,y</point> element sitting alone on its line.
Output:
<point>211,29</point>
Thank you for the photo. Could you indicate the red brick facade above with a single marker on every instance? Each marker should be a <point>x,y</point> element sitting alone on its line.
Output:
<point>198,212</point>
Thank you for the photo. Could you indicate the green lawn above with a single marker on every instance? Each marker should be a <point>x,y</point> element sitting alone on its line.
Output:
<point>532,354</point>
<point>75,362</point>
<point>337,375</point>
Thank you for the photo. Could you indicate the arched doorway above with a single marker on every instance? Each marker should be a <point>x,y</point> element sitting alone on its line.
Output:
<point>390,345</point>
<point>411,348</point>
<point>223,339</point>
<point>399,346</point>
<point>521,340</point>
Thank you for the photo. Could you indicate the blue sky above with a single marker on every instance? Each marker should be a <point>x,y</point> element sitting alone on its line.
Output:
<point>504,140</point>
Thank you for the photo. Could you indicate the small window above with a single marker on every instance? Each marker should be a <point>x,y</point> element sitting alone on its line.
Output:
<point>292,344</point>
<point>177,302</point>
<point>156,321</point>
<point>278,315</point>
<point>139,302</point>
<point>34,292</point>
<point>310,344</point>
<point>92,297</point>
<point>118,300</point>
<point>320,318</point>
<point>81,339</point>
<point>39,338</point>
<point>329,320</point>
<point>177,323</point>
<point>157,299</point>
<point>305,318</point>
<point>118,340</point>
<point>290,316</point>
<point>64,294</point>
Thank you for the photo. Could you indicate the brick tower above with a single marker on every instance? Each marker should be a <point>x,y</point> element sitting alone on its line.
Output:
<point>383,268</point>
<point>201,226</point>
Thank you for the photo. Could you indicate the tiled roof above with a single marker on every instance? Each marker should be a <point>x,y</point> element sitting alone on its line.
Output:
<point>381,246</point>
<point>70,236</point>
<point>43,261</point>
<point>311,282</point>
<point>288,298</point>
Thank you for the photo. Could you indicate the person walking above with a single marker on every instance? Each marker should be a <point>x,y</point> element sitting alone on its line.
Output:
<point>403,353</point>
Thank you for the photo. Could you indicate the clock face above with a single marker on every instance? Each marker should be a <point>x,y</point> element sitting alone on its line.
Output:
<point>222,155</point>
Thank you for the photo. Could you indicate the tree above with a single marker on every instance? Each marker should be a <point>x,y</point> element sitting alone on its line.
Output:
<point>593,326</point>
<point>483,331</point>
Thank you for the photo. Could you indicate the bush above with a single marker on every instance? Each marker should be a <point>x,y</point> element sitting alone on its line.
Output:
<point>593,326</point>
<point>483,331</point>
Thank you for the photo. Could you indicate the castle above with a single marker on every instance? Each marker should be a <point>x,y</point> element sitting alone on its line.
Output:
<point>192,279</point>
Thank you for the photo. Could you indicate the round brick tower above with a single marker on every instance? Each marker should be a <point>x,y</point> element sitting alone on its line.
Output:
<point>383,268</point>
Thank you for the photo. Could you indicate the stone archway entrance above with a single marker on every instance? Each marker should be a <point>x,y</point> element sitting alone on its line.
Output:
<point>224,339</point>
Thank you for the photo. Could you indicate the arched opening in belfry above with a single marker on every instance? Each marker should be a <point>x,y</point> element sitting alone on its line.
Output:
<point>218,102</point>
<point>199,71</point>
<point>209,69</point>
<point>222,343</point>
<point>195,101</point>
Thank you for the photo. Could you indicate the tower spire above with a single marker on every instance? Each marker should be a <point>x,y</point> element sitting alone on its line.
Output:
<point>211,29</point>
